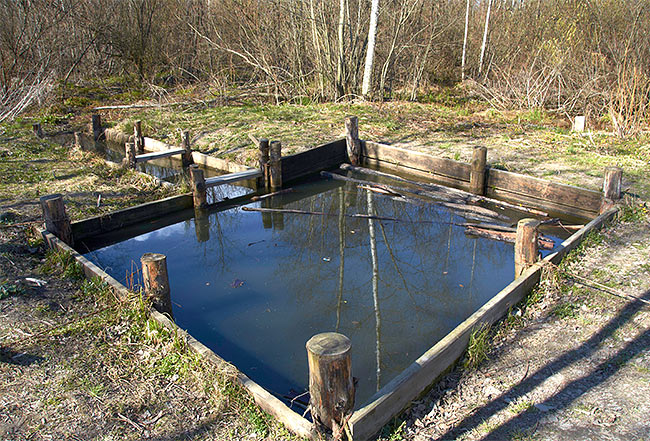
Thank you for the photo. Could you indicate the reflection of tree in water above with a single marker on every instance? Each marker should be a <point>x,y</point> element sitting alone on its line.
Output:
<point>375,285</point>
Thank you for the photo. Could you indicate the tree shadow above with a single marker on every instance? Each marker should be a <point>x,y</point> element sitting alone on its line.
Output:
<point>562,398</point>
<point>9,356</point>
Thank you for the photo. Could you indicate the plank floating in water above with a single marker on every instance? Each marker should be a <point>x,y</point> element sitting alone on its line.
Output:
<point>233,177</point>
<point>157,155</point>
<point>506,236</point>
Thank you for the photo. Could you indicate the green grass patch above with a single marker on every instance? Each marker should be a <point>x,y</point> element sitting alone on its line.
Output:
<point>478,347</point>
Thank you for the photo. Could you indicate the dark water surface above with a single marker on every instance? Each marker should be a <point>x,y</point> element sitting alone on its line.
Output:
<point>254,287</point>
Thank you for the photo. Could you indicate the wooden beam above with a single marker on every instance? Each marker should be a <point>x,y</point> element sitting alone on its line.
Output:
<point>157,155</point>
<point>233,177</point>
<point>312,161</point>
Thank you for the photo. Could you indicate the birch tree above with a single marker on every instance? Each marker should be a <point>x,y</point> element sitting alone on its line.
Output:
<point>485,35</point>
<point>370,53</point>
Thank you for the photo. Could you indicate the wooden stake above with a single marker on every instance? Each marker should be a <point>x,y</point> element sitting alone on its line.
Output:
<point>187,154</point>
<point>612,183</point>
<point>275,165</point>
<point>263,146</point>
<point>526,245</point>
<point>477,171</point>
<point>331,385</point>
<point>129,150</point>
<point>198,186</point>
<point>202,224</point>
<point>97,127</point>
<point>56,219</point>
<point>352,139</point>
<point>156,281</point>
<point>38,130</point>
<point>77,140</point>
<point>138,138</point>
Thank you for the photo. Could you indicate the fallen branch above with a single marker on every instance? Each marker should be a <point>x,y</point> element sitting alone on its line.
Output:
<point>320,213</point>
<point>270,195</point>
<point>470,197</point>
<point>506,236</point>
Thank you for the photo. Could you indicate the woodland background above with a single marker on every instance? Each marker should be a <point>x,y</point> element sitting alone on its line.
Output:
<point>570,56</point>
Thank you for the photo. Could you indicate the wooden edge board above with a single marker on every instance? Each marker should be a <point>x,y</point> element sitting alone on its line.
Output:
<point>419,376</point>
<point>127,216</point>
<point>311,161</point>
<point>233,177</point>
<point>438,179</point>
<point>269,403</point>
<point>157,155</point>
<point>542,204</point>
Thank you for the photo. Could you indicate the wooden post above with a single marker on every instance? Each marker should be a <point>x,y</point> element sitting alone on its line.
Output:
<point>202,224</point>
<point>129,150</point>
<point>612,183</point>
<point>138,138</point>
<point>77,140</point>
<point>156,281</point>
<point>477,171</point>
<point>579,124</point>
<point>97,126</point>
<point>263,145</point>
<point>331,385</point>
<point>38,130</point>
<point>187,154</point>
<point>352,139</point>
<point>275,165</point>
<point>56,219</point>
<point>526,247</point>
<point>198,186</point>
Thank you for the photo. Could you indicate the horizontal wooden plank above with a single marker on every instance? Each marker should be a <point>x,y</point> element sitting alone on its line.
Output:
<point>233,177</point>
<point>115,135</point>
<point>128,216</point>
<point>574,214</point>
<point>314,160</point>
<point>409,159</point>
<point>156,155</point>
<point>437,179</point>
<point>560,194</point>
<point>419,376</point>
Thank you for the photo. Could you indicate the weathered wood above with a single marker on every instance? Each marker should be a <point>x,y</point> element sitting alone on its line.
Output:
<point>477,171</point>
<point>612,183</point>
<point>56,219</point>
<point>38,130</point>
<point>78,142</point>
<point>97,126</point>
<point>526,245</point>
<point>445,170</point>
<point>202,224</point>
<point>270,195</point>
<point>157,155</point>
<point>275,165</point>
<point>353,143</point>
<point>263,147</point>
<point>120,219</point>
<point>130,158</point>
<point>399,392</point>
<point>506,236</point>
<point>252,173</point>
<point>475,209</point>
<point>187,150</point>
<point>156,281</point>
<point>454,193</point>
<point>544,194</point>
<point>312,161</point>
<point>138,138</point>
<point>198,186</point>
<point>331,386</point>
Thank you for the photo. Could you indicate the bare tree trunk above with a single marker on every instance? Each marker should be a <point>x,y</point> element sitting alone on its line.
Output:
<point>370,52</point>
<point>340,86</point>
<point>317,49</point>
<point>485,35</point>
<point>462,69</point>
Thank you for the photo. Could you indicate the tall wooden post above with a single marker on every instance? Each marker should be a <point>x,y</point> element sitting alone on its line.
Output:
<point>187,154</point>
<point>352,139</point>
<point>264,161</point>
<point>198,186</point>
<point>477,171</point>
<point>38,130</point>
<point>526,246</point>
<point>56,219</point>
<point>156,281</point>
<point>129,150</point>
<point>138,138</point>
<point>97,126</point>
<point>275,165</point>
<point>612,183</point>
<point>331,385</point>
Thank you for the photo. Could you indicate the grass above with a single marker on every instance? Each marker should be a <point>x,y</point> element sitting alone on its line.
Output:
<point>478,347</point>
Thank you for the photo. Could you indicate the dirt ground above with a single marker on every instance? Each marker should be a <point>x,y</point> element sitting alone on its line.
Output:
<point>570,362</point>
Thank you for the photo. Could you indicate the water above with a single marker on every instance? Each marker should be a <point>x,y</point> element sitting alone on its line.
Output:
<point>254,287</point>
